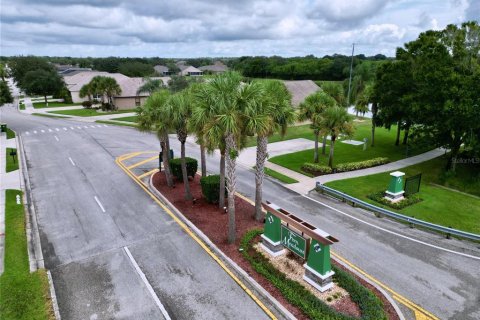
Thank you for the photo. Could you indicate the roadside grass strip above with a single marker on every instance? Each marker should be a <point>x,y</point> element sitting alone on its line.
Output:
<point>12,164</point>
<point>23,295</point>
<point>48,115</point>
<point>127,119</point>
<point>132,125</point>
<point>40,105</point>
<point>10,133</point>
<point>119,162</point>
<point>88,112</point>
<point>279,176</point>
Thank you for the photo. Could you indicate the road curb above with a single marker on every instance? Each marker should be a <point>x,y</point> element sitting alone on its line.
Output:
<point>380,289</point>
<point>279,308</point>
<point>34,245</point>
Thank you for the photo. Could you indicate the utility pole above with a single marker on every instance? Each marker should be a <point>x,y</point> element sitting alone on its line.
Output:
<point>350,80</point>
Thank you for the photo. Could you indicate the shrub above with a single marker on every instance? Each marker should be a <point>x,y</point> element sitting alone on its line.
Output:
<point>408,201</point>
<point>316,169</point>
<point>211,188</point>
<point>176,167</point>
<point>350,166</point>
<point>87,104</point>
<point>370,305</point>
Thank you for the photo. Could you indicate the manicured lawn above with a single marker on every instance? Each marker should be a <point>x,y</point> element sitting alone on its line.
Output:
<point>439,205</point>
<point>127,119</point>
<point>11,165</point>
<point>22,106</point>
<point>10,134</point>
<point>39,105</point>
<point>48,115</point>
<point>87,112</point>
<point>384,147</point>
<point>281,177</point>
<point>23,295</point>
<point>117,123</point>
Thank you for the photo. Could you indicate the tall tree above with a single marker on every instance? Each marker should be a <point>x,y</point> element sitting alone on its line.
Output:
<point>312,109</point>
<point>335,121</point>
<point>264,117</point>
<point>335,90</point>
<point>21,65</point>
<point>86,91</point>
<point>42,82</point>
<point>152,117</point>
<point>110,88</point>
<point>5,94</point>
<point>179,113</point>
<point>150,86</point>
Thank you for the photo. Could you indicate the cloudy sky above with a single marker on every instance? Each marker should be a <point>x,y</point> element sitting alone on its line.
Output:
<point>198,28</point>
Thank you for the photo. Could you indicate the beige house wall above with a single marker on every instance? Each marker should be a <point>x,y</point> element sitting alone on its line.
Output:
<point>76,97</point>
<point>124,103</point>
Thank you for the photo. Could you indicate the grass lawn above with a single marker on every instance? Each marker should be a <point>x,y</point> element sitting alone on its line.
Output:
<point>277,175</point>
<point>23,295</point>
<point>11,166</point>
<point>127,119</point>
<point>117,123</point>
<point>87,112</point>
<point>441,206</point>
<point>10,134</point>
<point>22,106</point>
<point>39,105</point>
<point>384,147</point>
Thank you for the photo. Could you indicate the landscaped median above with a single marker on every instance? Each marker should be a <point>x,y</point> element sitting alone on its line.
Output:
<point>88,112</point>
<point>23,295</point>
<point>352,298</point>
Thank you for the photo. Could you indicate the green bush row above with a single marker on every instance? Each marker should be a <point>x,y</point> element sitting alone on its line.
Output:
<point>350,166</point>
<point>176,167</point>
<point>370,305</point>
<point>408,201</point>
<point>316,169</point>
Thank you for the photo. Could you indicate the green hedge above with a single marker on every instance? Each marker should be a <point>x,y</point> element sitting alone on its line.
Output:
<point>316,169</point>
<point>408,201</point>
<point>350,166</point>
<point>211,187</point>
<point>370,305</point>
<point>176,167</point>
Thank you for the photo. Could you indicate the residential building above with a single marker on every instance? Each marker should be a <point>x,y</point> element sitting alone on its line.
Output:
<point>217,67</point>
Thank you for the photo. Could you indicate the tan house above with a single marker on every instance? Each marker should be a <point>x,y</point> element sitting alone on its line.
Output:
<point>217,67</point>
<point>128,99</point>
<point>189,71</point>
<point>300,89</point>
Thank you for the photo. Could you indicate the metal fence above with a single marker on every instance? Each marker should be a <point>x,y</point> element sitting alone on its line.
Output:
<point>413,221</point>
<point>412,184</point>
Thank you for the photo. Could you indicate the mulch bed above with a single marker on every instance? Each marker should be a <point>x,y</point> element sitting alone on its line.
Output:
<point>213,222</point>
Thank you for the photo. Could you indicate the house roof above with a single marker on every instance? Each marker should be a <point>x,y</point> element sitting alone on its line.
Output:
<point>130,86</point>
<point>300,90</point>
<point>217,67</point>
<point>186,69</point>
<point>161,69</point>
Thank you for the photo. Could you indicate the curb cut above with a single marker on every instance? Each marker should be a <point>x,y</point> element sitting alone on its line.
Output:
<point>240,272</point>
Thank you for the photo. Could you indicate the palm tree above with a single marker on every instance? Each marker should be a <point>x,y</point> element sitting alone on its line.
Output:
<point>312,109</point>
<point>363,99</point>
<point>111,88</point>
<point>150,86</point>
<point>86,91</point>
<point>179,113</point>
<point>97,87</point>
<point>270,110</point>
<point>152,117</point>
<point>335,90</point>
<point>335,121</point>
<point>197,123</point>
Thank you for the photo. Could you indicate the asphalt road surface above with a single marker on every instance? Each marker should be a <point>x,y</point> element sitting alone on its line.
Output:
<point>94,277</point>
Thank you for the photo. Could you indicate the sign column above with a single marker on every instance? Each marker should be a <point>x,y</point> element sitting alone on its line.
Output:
<point>271,237</point>
<point>318,270</point>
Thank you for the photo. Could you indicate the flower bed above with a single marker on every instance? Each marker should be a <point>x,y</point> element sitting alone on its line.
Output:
<point>317,169</point>
<point>408,201</point>
<point>213,222</point>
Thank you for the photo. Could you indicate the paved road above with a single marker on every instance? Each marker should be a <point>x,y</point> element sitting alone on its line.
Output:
<point>73,176</point>
<point>425,268</point>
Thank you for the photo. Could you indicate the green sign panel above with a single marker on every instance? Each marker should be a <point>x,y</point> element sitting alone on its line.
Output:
<point>294,242</point>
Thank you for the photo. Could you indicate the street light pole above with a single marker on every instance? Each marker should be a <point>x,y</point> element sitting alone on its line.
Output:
<point>350,79</point>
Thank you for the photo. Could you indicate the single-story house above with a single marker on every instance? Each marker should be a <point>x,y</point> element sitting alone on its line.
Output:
<point>162,70</point>
<point>217,67</point>
<point>189,71</point>
<point>128,99</point>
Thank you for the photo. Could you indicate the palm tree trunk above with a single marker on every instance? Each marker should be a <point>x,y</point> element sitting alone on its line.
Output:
<point>330,157</point>
<point>315,150</point>
<point>46,101</point>
<point>262,145</point>
<point>221,197</point>
<point>167,145</point>
<point>397,141</point>
<point>166,160</point>
<point>231,184</point>
<point>324,146</point>
<point>203,160</point>
<point>186,183</point>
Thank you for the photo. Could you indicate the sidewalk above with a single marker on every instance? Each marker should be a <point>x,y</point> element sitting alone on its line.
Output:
<point>9,180</point>
<point>306,184</point>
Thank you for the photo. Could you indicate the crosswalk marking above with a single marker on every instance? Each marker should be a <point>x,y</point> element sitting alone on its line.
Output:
<point>57,129</point>
<point>72,128</point>
<point>78,127</point>
<point>50,130</point>
<point>35,132</point>
<point>65,129</point>
<point>92,126</point>
<point>86,127</point>
<point>43,131</point>
<point>27,132</point>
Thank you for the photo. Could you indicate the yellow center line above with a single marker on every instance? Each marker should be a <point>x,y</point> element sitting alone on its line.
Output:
<point>118,161</point>
<point>415,308</point>
<point>141,162</point>
<point>147,173</point>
